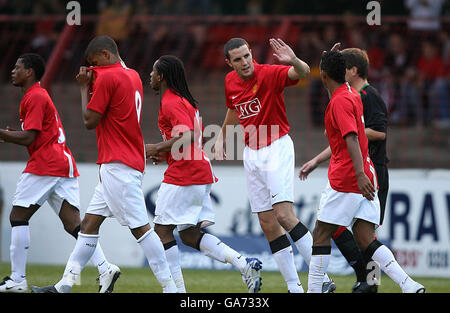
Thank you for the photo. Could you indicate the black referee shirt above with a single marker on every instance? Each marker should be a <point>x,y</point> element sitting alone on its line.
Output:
<point>375,117</point>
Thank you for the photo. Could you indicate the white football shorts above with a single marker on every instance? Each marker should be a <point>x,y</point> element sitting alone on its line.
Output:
<point>119,194</point>
<point>270,174</point>
<point>184,206</point>
<point>343,208</point>
<point>34,189</point>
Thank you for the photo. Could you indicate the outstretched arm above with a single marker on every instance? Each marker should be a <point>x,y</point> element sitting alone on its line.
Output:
<point>285,55</point>
<point>312,164</point>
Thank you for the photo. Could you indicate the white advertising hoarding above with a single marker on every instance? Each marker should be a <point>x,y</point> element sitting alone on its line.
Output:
<point>416,226</point>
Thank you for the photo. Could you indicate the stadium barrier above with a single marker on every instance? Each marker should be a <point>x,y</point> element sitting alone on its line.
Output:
<point>416,226</point>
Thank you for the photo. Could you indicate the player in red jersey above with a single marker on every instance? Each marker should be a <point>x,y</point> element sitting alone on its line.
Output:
<point>350,197</point>
<point>50,175</point>
<point>184,200</point>
<point>254,98</point>
<point>114,110</point>
<point>375,122</point>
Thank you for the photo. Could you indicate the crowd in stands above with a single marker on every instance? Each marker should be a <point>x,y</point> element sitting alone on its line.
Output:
<point>409,60</point>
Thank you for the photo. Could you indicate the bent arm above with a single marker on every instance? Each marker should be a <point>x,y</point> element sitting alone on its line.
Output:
<point>20,137</point>
<point>299,69</point>
<point>364,184</point>
<point>373,135</point>
<point>181,140</point>
<point>90,118</point>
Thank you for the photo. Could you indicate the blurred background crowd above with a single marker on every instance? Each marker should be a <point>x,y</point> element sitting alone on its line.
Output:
<point>409,52</point>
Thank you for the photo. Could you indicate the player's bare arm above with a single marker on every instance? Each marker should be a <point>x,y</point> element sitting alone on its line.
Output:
<point>312,164</point>
<point>184,139</point>
<point>231,118</point>
<point>84,79</point>
<point>23,138</point>
<point>364,183</point>
<point>373,135</point>
<point>285,55</point>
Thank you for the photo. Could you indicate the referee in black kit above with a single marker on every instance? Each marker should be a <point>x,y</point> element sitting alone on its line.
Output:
<point>375,117</point>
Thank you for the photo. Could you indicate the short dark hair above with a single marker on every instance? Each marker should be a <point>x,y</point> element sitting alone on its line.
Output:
<point>333,63</point>
<point>35,62</point>
<point>172,71</point>
<point>234,43</point>
<point>358,58</point>
<point>100,43</point>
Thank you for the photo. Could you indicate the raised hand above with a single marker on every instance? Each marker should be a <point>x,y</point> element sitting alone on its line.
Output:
<point>336,47</point>
<point>282,52</point>
<point>84,77</point>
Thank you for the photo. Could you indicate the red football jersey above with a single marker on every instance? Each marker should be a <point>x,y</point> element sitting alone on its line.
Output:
<point>189,166</point>
<point>49,154</point>
<point>344,115</point>
<point>259,103</point>
<point>117,95</point>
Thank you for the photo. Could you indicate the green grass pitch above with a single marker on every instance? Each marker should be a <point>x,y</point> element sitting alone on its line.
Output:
<point>142,280</point>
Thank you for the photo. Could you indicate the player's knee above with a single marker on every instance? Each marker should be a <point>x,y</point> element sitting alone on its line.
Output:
<point>15,223</point>
<point>286,218</point>
<point>362,241</point>
<point>190,239</point>
<point>88,227</point>
<point>322,234</point>
<point>21,214</point>
<point>166,235</point>
<point>70,227</point>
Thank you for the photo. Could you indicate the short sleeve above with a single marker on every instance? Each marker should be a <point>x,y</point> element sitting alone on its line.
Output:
<point>101,94</point>
<point>228,102</point>
<point>34,111</point>
<point>374,115</point>
<point>278,74</point>
<point>179,117</point>
<point>344,116</point>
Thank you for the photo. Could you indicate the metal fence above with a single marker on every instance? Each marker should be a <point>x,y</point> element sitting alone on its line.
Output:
<point>402,66</point>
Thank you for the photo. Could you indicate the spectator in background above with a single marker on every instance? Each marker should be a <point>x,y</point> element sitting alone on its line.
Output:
<point>114,22</point>
<point>45,34</point>
<point>309,43</point>
<point>404,102</point>
<point>255,7</point>
<point>435,95</point>
<point>424,14</point>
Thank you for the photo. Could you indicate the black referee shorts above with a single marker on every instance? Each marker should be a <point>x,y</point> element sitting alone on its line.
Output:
<point>383,182</point>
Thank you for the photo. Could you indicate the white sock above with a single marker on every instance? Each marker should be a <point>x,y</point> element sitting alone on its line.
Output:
<point>214,248</point>
<point>389,265</point>
<point>83,251</point>
<point>18,251</point>
<point>154,252</point>
<point>172,255</point>
<point>285,261</point>
<point>99,260</point>
<point>317,269</point>
<point>304,247</point>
